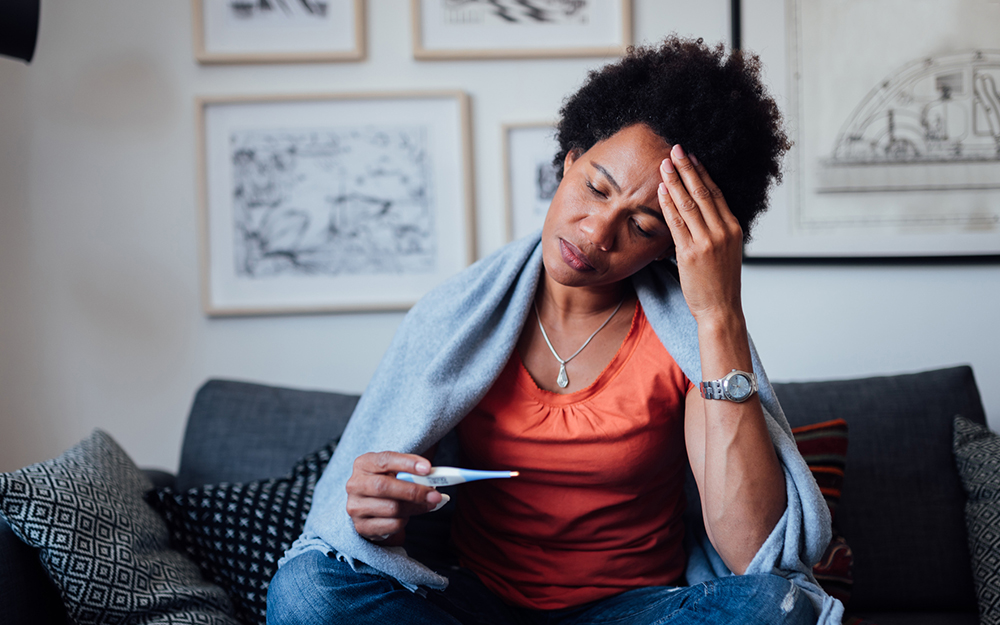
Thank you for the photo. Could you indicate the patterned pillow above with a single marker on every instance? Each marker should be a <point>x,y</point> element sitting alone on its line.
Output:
<point>824,448</point>
<point>103,546</point>
<point>237,532</point>
<point>977,455</point>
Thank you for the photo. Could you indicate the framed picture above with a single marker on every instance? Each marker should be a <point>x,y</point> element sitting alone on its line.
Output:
<point>483,29</point>
<point>895,115</point>
<point>317,203</point>
<point>530,178</point>
<point>278,31</point>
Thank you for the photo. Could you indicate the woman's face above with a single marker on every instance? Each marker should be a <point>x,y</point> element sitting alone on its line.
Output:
<point>605,222</point>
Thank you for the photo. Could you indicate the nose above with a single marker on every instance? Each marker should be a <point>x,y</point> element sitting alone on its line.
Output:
<point>599,230</point>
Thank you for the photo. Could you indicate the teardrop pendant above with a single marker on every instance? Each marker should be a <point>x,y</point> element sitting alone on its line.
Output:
<point>563,379</point>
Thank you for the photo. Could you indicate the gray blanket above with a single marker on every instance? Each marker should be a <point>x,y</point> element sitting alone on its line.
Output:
<point>446,355</point>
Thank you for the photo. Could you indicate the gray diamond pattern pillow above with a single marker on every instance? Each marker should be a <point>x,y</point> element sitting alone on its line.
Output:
<point>977,454</point>
<point>104,547</point>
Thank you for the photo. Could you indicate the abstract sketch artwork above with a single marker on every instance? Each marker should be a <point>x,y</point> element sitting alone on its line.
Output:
<point>332,201</point>
<point>532,179</point>
<point>286,10</point>
<point>520,28</point>
<point>516,11</point>
<point>323,202</point>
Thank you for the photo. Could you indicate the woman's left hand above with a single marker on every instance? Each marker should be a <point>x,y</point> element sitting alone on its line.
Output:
<point>707,236</point>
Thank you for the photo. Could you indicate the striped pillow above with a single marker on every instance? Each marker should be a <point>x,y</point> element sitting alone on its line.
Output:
<point>824,448</point>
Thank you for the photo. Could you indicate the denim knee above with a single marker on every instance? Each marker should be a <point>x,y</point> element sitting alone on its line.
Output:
<point>774,599</point>
<point>294,596</point>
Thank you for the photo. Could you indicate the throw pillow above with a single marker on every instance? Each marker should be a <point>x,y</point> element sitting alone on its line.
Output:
<point>977,455</point>
<point>237,532</point>
<point>824,448</point>
<point>104,547</point>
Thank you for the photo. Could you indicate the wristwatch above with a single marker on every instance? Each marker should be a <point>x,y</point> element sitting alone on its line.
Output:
<point>737,386</point>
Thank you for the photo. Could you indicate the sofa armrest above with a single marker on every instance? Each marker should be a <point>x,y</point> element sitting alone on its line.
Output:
<point>27,595</point>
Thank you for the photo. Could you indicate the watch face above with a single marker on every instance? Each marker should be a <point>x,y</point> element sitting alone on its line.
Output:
<point>738,387</point>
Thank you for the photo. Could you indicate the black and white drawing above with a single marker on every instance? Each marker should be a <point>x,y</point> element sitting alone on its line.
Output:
<point>450,29</point>
<point>935,124</point>
<point>532,178</point>
<point>273,31</point>
<point>894,111</point>
<point>516,11</point>
<point>332,201</point>
<point>277,9</point>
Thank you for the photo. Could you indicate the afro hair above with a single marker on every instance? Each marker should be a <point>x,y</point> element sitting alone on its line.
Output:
<point>711,102</point>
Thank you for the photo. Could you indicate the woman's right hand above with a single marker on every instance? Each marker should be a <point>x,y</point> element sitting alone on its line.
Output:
<point>379,504</point>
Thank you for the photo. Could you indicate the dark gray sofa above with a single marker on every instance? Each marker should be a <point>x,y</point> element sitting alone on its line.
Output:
<point>901,509</point>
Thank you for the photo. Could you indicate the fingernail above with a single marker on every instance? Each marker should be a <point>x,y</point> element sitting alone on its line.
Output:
<point>667,166</point>
<point>663,189</point>
<point>678,151</point>
<point>694,159</point>
<point>423,467</point>
<point>433,497</point>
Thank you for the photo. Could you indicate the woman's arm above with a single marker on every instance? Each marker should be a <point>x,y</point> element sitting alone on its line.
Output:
<point>740,480</point>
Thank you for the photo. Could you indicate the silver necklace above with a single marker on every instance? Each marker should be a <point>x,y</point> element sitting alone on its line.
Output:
<point>563,380</point>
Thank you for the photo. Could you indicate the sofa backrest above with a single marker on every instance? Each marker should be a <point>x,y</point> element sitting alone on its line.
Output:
<point>902,507</point>
<point>240,432</point>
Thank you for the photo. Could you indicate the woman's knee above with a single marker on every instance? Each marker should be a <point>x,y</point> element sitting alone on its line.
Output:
<point>298,593</point>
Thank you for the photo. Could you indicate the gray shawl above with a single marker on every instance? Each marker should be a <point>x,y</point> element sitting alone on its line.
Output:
<point>446,355</point>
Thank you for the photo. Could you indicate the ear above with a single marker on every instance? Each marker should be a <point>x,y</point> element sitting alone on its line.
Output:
<point>571,157</point>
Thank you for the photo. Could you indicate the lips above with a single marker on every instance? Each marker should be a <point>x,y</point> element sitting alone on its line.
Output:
<point>573,257</point>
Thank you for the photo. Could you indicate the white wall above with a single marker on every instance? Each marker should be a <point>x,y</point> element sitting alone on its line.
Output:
<point>100,318</point>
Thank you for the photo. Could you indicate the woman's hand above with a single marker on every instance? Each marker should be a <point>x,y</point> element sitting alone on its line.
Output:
<point>707,237</point>
<point>379,504</point>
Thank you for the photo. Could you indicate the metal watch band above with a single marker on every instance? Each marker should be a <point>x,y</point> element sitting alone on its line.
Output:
<point>717,389</point>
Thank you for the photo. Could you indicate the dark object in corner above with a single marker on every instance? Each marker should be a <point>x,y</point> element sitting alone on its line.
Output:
<point>19,28</point>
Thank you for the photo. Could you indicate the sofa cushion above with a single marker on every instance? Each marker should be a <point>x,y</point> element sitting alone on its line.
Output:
<point>824,448</point>
<point>902,507</point>
<point>104,547</point>
<point>977,454</point>
<point>241,432</point>
<point>236,533</point>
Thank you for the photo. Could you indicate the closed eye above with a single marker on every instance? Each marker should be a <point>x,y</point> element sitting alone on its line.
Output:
<point>594,190</point>
<point>639,228</point>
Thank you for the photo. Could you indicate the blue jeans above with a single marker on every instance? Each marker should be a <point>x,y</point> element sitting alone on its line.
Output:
<point>315,589</point>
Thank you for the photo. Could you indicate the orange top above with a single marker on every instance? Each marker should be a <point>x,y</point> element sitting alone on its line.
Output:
<point>597,508</point>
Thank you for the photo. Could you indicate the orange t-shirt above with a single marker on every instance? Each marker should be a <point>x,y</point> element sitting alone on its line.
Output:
<point>597,507</point>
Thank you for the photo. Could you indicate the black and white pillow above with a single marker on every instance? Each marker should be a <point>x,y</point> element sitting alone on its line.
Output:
<point>104,547</point>
<point>237,532</point>
<point>977,454</point>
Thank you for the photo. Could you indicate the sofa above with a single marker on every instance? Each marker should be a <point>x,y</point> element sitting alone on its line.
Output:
<point>901,508</point>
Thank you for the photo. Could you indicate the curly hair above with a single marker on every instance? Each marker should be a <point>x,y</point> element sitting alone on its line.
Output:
<point>712,103</point>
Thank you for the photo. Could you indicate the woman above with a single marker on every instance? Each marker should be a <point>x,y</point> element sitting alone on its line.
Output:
<point>590,363</point>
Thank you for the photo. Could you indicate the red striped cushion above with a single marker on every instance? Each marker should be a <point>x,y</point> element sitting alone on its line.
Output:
<point>824,448</point>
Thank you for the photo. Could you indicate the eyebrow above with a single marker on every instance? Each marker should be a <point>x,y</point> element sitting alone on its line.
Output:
<point>657,214</point>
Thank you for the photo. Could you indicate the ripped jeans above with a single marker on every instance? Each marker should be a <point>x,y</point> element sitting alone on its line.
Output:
<point>316,589</point>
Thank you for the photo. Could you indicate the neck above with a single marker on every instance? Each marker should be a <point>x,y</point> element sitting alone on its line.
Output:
<point>562,303</point>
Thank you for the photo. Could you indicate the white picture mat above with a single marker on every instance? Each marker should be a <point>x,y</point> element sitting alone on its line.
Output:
<point>229,293</point>
<point>527,147</point>
<point>804,223</point>
<point>604,28</point>
<point>294,33</point>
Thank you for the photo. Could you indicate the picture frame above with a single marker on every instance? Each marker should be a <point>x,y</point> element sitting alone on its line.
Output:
<point>892,159</point>
<point>278,31</point>
<point>315,203</point>
<point>491,29</point>
<point>530,179</point>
